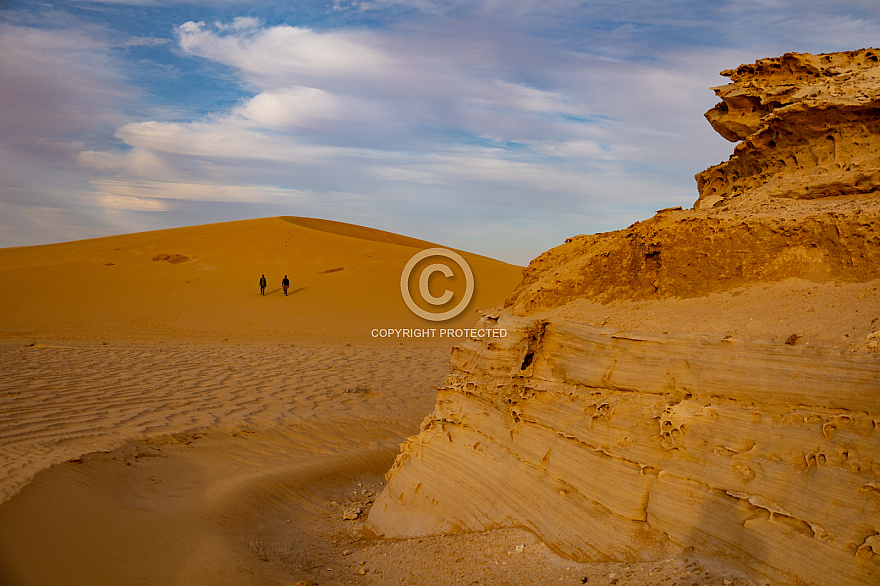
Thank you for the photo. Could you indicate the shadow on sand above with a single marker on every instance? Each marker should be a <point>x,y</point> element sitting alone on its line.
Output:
<point>289,293</point>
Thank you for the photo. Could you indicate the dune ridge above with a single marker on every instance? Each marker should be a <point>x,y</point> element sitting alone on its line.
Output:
<point>355,231</point>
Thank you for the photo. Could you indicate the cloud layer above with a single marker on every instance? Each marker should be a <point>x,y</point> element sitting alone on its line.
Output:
<point>497,127</point>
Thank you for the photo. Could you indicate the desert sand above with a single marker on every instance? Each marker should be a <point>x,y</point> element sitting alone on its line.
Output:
<point>198,284</point>
<point>161,423</point>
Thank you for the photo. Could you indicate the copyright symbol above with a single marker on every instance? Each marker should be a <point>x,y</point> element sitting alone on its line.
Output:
<point>425,293</point>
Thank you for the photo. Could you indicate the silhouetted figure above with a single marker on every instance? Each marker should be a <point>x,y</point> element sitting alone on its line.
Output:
<point>285,283</point>
<point>263,285</point>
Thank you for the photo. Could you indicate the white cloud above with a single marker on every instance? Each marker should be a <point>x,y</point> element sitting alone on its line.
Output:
<point>434,83</point>
<point>516,7</point>
<point>120,192</point>
<point>56,84</point>
<point>239,23</point>
<point>283,51</point>
<point>118,202</point>
<point>61,93</point>
<point>146,42</point>
<point>224,137</point>
<point>518,96</point>
<point>574,148</point>
<point>293,107</point>
<point>101,161</point>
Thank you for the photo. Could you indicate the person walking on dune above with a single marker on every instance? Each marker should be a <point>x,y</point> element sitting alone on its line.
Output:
<point>263,285</point>
<point>285,283</point>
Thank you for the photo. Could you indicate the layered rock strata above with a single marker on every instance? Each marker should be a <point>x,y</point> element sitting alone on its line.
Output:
<point>621,446</point>
<point>631,444</point>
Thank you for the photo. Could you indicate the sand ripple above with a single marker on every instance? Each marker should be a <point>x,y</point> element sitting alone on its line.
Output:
<point>62,401</point>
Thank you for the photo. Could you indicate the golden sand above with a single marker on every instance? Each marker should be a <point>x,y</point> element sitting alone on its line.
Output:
<point>200,284</point>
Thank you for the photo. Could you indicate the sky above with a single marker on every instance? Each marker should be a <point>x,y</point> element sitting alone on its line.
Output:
<point>501,127</point>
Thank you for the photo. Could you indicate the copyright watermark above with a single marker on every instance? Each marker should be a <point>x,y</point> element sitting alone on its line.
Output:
<point>424,290</point>
<point>439,333</point>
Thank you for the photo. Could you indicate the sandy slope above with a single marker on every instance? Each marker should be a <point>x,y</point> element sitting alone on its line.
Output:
<point>201,284</point>
<point>181,455</point>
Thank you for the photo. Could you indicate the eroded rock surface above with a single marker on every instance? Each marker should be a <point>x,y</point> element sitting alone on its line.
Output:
<point>635,443</point>
<point>628,447</point>
<point>689,253</point>
<point>809,127</point>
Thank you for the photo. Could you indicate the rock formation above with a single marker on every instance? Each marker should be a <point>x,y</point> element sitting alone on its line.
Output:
<point>673,384</point>
<point>809,126</point>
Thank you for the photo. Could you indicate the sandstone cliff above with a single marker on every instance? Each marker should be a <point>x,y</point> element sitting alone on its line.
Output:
<point>708,378</point>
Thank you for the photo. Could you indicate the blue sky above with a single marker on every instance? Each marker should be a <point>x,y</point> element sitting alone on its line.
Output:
<point>499,127</point>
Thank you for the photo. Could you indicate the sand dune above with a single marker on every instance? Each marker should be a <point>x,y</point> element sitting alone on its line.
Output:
<point>201,284</point>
